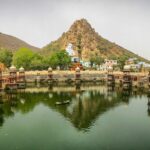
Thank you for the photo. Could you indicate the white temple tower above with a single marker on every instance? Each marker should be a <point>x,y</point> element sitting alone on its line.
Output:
<point>72,53</point>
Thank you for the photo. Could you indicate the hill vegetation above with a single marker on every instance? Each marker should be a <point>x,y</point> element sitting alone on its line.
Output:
<point>88,43</point>
<point>13,44</point>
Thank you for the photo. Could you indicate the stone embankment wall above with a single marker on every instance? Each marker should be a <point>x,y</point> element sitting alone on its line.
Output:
<point>62,76</point>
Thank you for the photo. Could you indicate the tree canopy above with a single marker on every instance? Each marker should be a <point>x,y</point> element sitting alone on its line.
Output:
<point>23,57</point>
<point>33,61</point>
<point>61,59</point>
<point>6,57</point>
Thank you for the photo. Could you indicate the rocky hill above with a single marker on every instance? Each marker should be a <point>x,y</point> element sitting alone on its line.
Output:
<point>12,43</point>
<point>87,42</point>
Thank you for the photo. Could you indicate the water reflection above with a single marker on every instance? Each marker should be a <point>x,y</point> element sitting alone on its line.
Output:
<point>148,104</point>
<point>87,103</point>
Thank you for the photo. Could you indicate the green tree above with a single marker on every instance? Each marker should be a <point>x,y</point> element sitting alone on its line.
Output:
<point>95,59</point>
<point>23,57</point>
<point>37,62</point>
<point>92,58</point>
<point>121,61</point>
<point>6,57</point>
<point>99,60</point>
<point>46,62</point>
<point>61,59</point>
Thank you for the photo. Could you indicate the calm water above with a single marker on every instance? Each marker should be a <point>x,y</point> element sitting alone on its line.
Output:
<point>94,120</point>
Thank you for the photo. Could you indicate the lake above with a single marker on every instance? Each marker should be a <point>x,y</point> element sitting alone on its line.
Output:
<point>95,119</point>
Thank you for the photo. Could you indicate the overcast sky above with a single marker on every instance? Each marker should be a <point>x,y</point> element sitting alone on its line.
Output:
<point>125,22</point>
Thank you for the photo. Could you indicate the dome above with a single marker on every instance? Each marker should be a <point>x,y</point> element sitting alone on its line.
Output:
<point>13,68</point>
<point>21,69</point>
<point>77,69</point>
<point>49,69</point>
<point>110,68</point>
<point>127,68</point>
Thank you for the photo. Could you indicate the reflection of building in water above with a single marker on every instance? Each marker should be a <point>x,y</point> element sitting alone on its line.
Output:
<point>50,87</point>
<point>85,107</point>
<point>7,103</point>
<point>127,80</point>
<point>148,104</point>
<point>1,116</point>
<point>126,93</point>
<point>0,81</point>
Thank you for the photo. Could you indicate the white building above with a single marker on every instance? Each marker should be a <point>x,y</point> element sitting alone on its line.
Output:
<point>144,65</point>
<point>107,64</point>
<point>110,63</point>
<point>72,53</point>
<point>131,61</point>
<point>85,64</point>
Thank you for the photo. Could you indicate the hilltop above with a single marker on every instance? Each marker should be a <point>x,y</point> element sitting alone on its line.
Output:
<point>12,43</point>
<point>88,42</point>
<point>84,38</point>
